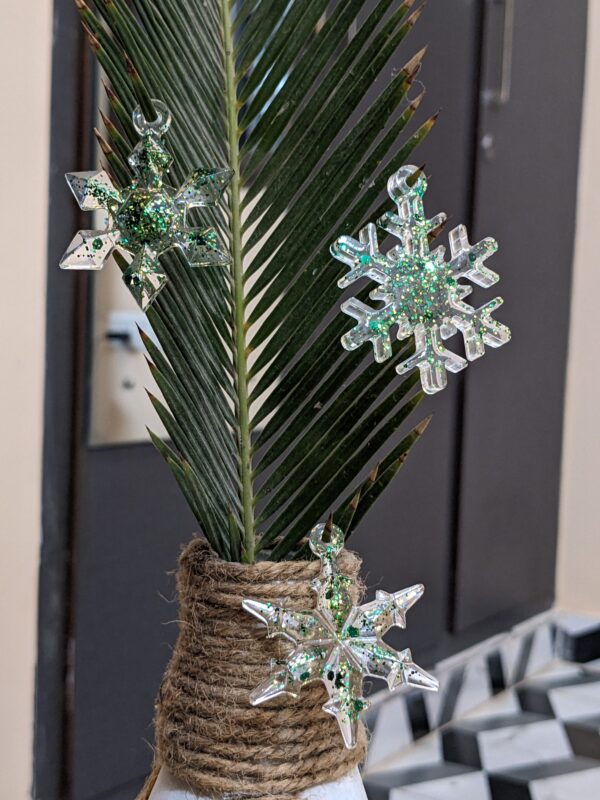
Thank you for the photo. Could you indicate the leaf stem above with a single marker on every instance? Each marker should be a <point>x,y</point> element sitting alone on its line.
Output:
<point>241,366</point>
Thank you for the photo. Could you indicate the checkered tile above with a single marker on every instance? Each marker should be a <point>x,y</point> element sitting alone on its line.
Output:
<point>515,720</point>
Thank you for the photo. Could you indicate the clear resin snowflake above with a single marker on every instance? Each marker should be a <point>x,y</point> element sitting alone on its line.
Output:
<point>339,643</point>
<point>419,290</point>
<point>148,217</point>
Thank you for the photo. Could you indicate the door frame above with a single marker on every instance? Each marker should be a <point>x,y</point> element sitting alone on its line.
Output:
<point>70,148</point>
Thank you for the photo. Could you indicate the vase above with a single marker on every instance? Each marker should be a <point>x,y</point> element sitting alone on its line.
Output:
<point>209,740</point>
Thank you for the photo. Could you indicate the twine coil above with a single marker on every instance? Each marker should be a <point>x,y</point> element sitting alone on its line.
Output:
<point>207,734</point>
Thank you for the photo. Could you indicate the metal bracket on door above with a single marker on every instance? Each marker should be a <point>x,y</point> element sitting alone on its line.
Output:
<point>500,95</point>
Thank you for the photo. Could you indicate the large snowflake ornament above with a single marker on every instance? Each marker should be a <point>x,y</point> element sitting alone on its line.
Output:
<point>339,643</point>
<point>420,292</point>
<point>148,217</point>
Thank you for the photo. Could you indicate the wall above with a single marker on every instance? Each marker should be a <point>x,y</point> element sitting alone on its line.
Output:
<point>25,43</point>
<point>578,569</point>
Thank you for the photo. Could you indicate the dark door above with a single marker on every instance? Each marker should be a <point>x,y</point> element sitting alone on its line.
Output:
<point>473,514</point>
<point>525,194</point>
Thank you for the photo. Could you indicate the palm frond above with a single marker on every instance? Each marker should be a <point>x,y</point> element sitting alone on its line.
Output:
<point>272,425</point>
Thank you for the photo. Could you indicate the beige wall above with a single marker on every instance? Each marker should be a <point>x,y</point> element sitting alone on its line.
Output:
<point>578,575</point>
<point>25,42</point>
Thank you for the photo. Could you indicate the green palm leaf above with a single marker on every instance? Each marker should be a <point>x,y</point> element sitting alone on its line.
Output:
<point>272,425</point>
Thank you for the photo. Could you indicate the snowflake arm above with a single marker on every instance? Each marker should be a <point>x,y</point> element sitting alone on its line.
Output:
<point>363,257</point>
<point>306,663</point>
<point>298,626</point>
<point>379,660</point>
<point>343,682</point>
<point>203,187</point>
<point>468,260</point>
<point>89,250</point>
<point>478,327</point>
<point>202,248</point>
<point>385,612</point>
<point>432,359</point>
<point>374,326</point>
<point>150,159</point>
<point>144,277</point>
<point>93,190</point>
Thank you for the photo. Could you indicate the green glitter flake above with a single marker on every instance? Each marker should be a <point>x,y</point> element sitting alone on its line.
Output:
<point>338,642</point>
<point>419,291</point>
<point>148,217</point>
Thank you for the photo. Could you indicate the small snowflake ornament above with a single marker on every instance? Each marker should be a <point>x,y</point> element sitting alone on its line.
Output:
<point>148,217</point>
<point>339,643</point>
<point>420,292</point>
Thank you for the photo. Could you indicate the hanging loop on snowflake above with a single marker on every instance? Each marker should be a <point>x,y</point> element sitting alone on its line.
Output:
<point>160,125</point>
<point>148,217</point>
<point>337,642</point>
<point>398,188</point>
<point>419,291</point>
<point>326,541</point>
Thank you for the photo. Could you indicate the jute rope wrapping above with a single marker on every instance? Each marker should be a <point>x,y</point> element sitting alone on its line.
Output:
<point>207,733</point>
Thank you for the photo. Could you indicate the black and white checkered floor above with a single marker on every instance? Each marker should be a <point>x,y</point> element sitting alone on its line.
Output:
<point>518,718</point>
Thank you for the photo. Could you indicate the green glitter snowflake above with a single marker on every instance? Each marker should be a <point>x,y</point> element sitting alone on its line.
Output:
<point>148,217</point>
<point>419,290</point>
<point>339,643</point>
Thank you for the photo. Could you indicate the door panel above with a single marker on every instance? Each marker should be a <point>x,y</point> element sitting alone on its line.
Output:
<point>525,196</point>
<point>132,525</point>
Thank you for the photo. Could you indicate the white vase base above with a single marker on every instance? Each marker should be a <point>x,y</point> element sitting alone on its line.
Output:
<point>350,787</point>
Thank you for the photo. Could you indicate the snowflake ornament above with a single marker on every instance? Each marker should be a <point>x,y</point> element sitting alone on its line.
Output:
<point>419,290</point>
<point>339,643</point>
<point>148,217</point>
